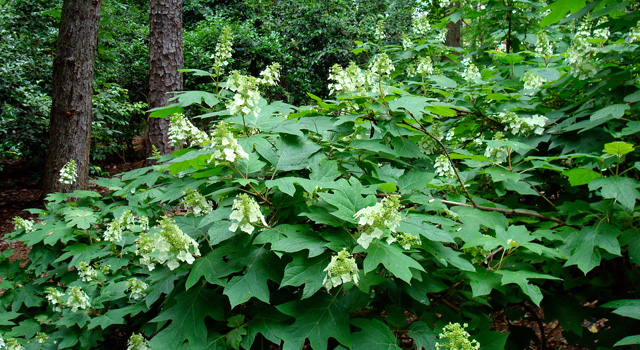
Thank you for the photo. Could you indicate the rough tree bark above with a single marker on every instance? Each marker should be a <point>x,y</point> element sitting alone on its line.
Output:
<point>165,58</point>
<point>71,109</point>
<point>454,37</point>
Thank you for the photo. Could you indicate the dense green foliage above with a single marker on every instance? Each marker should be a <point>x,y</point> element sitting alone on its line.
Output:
<point>433,187</point>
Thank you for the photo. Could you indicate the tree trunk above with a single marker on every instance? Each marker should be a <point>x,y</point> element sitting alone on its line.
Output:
<point>454,37</point>
<point>71,109</point>
<point>165,58</point>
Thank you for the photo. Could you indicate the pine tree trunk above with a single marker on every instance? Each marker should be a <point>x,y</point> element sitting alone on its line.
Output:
<point>165,58</point>
<point>71,109</point>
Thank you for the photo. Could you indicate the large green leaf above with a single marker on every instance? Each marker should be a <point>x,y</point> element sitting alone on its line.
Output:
<point>423,335</point>
<point>253,283</point>
<point>298,238</point>
<point>586,254</point>
<point>580,176</point>
<point>303,270</point>
<point>412,104</point>
<point>622,189</point>
<point>80,218</point>
<point>521,278</point>
<point>294,152</point>
<point>187,318</point>
<point>392,257</point>
<point>375,335</point>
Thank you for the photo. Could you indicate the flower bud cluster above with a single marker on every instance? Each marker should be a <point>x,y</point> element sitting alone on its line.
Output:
<point>532,81</point>
<point>10,344</point>
<point>197,203</point>
<point>137,288</point>
<point>223,51</point>
<point>137,342</point>
<point>226,148</point>
<point>170,245</point>
<point>381,66</point>
<point>407,43</point>
<point>25,224</point>
<point>86,272</point>
<point>379,32</point>
<point>470,72</point>
<point>69,173</point>
<point>341,269</point>
<point>522,125</point>
<point>245,214</point>
<point>544,48</point>
<point>125,222</point>
<point>74,298</point>
<point>456,338</point>
<point>444,167</point>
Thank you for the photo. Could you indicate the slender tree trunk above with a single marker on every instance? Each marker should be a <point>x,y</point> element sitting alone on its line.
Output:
<point>454,36</point>
<point>71,109</point>
<point>165,58</point>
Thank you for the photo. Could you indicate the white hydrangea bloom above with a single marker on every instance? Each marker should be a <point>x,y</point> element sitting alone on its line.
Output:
<point>341,269</point>
<point>196,202</point>
<point>532,81</point>
<point>444,3</point>
<point>497,154</point>
<point>20,223</point>
<point>349,80</point>
<point>381,65</point>
<point>56,298</point>
<point>425,65</point>
<point>544,48</point>
<point>421,24</point>
<point>245,214</point>
<point>247,96</point>
<point>86,272</point>
<point>41,338</point>
<point>170,246</point>
<point>223,51</point>
<point>378,220</point>
<point>522,125</point>
<point>443,167</point>
<point>634,34</point>
<point>78,299</point>
<point>69,173</point>
<point>601,33</point>
<point>407,43</point>
<point>270,76</point>
<point>456,337</point>
<point>470,72</point>
<point>226,147</point>
<point>125,222</point>
<point>137,342</point>
<point>137,288</point>
<point>379,32</point>
<point>12,344</point>
<point>581,54</point>
<point>427,144</point>
<point>181,130</point>
<point>2,343</point>
<point>441,34</point>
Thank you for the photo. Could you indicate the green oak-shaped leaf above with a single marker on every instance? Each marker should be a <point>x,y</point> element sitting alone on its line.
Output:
<point>253,283</point>
<point>622,189</point>
<point>618,148</point>
<point>80,218</point>
<point>375,335</point>
<point>392,257</point>
<point>580,176</point>
<point>521,278</point>
<point>423,335</point>
<point>303,270</point>
<point>625,307</point>
<point>187,318</point>
<point>298,238</point>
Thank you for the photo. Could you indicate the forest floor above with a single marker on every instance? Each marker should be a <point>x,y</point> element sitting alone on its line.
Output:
<point>20,190</point>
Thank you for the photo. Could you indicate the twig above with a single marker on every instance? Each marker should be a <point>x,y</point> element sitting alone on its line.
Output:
<point>514,212</point>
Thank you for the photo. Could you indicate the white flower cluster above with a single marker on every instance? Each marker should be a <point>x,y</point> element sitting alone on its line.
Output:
<point>20,223</point>
<point>246,213</point>
<point>443,167</point>
<point>10,344</point>
<point>137,288</point>
<point>226,148</point>
<point>379,32</point>
<point>498,154</point>
<point>137,342</point>
<point>125,222</point>
<point>407,43</point>
<point>456,338</point>
<point>441,34</point>
<point>381,65</point>
<point>341,269</point>
<point>223,51</point>
<point>581,54</point>
<point>197,203</point>
<point>381,220</point>
<point>69,173</point>
<point>634,34</point>
<point>41,337</point>
<point>601,33</point>
<point>86,272</point>
<point>350,80</point>
<point>75,298</point>
<point>181,129</point>
<point>425,65</point>
<point>170,245</point>
<point>444,3</point>
<point>522,125</point>
<point>421,24</point>
<point>532,81</point>
<point>544,48</point>
<point>471,72</point>
<point>247,96</point>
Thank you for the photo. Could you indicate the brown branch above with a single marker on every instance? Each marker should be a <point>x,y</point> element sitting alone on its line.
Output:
<point>514,212</point>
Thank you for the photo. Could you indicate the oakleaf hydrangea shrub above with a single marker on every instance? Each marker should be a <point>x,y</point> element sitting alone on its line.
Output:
<point>407,210</point>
